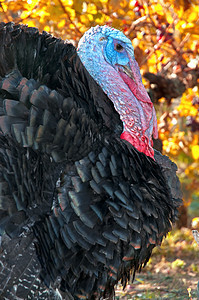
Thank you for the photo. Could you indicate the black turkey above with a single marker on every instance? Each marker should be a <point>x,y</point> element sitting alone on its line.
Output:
<point>84,197</point>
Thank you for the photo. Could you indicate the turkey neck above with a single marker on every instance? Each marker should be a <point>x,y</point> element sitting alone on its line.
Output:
<point>137,116</point>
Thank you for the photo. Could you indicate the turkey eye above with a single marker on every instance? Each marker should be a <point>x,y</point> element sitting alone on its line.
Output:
<point>119,47</point>
<point>102,38</point>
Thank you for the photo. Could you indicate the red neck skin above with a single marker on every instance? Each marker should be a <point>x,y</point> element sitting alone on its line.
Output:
<point>140,139</point>
<point>141,145</point>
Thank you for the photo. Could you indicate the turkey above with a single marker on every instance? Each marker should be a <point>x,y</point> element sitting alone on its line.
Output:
<point>84,196</point>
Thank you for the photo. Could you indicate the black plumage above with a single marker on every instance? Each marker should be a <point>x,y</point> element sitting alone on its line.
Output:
<point>80,208</point>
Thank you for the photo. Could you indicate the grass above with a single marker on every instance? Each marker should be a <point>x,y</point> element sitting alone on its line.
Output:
<point>171,273</point>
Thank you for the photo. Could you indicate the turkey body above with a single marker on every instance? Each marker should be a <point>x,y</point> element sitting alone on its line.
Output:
<point>80,208</point>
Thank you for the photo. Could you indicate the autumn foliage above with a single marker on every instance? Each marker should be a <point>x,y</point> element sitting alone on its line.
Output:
<point>165,35</point>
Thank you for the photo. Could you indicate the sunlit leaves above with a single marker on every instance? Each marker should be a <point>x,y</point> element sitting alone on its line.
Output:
<point>61,24</point>
<point>195,151</point>
<point>187,107</point>
<point>67,2</point>
<point>178,264</point>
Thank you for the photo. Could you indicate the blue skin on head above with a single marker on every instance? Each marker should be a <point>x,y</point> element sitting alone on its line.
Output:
<point>108,56</point>
<point>110,38</point>
<point>114,56</point>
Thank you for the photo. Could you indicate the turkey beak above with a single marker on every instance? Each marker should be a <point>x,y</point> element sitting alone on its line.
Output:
<point>127,70</point>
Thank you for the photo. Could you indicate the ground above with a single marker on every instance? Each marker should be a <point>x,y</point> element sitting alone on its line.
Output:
<point>172,272</point>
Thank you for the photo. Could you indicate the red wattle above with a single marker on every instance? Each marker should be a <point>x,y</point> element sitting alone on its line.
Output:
<point>141,145</point>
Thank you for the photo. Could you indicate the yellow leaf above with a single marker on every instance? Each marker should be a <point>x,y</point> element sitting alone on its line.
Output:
<point>158,9</point>
<point>169,18</point>
<point>84,19</point>
<point>139,35</point>
<point>189,292</point>
<point>195,223</point>
<point>90,17</point>
<point>4,7</point>
<point>71,12</point>
<point>91,9</point>
<point>101,20</point>
<point>61,24</point>
<point>193,16</point>
<point>25,14</point>
<point>195,152</point>
<point>67,2</point>
<point>47,28</point>
<point>152,60</point>
<point>32,3</point>
<point>195,140</point>
<point>132,4</point>
<point>178,264</point>
<point>130,14</point>
<point>180,11</point>
<point>30,23</point>
<point>71,26</point>
<point>124,3</point>
<point>121,12</point>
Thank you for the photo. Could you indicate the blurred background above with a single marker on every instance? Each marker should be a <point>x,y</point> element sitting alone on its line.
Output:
<point>165,35</point>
